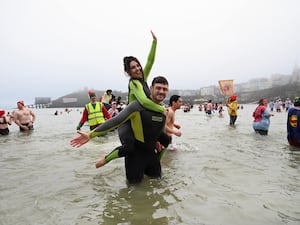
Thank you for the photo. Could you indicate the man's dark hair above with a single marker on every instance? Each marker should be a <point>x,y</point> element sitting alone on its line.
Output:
<point>159,80</point>
<point>174,98</point>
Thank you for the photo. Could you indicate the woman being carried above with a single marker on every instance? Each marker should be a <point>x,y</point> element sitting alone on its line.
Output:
<point>137,90</point>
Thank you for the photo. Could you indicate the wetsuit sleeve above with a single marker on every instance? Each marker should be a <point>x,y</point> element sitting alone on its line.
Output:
<point>137,90</point>
<point>105,112</point>
<point>150,60</point>
<point>128,113</point>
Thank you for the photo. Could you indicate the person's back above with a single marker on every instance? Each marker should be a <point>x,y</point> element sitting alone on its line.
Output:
<point>209,107</point>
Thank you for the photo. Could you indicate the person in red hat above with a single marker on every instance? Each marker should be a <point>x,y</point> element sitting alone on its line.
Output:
<point>232,105</point>
<point>4,122</point>
<point>94,112</point>
<point>24,117</point>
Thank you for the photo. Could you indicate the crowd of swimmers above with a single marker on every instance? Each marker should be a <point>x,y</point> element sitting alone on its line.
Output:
<point>262,114</point>
<point>145,126</point>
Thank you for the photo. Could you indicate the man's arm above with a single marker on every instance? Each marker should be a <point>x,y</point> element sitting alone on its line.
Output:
<point>32,115</point>
<point>83,119</point>
<point>16,119</point>
<point>105,112</point>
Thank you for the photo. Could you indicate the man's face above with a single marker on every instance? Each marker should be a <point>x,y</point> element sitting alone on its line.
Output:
<point>94,99</point>
<point>178,103</point>
<point>159,92</point>
<point>20,106</point>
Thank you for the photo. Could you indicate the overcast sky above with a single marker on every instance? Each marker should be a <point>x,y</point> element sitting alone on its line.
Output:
<point>49,48</point>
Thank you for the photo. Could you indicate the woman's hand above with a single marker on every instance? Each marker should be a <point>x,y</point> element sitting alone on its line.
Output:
<point>81,140</point>
<point>153,36</point>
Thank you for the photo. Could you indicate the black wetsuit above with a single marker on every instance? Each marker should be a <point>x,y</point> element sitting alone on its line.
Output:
<point>148,128</point>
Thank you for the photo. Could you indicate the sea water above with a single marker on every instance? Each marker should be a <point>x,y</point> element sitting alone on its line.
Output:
<point>217,174</point>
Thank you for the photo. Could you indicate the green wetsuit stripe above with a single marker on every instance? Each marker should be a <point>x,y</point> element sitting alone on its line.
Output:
<point>162,153</point>
<point>113,155</point>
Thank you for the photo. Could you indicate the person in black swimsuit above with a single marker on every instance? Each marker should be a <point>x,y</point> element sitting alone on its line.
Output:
<point>4,122</point>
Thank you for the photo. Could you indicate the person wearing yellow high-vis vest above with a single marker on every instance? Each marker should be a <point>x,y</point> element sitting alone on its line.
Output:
<point>94,113</point>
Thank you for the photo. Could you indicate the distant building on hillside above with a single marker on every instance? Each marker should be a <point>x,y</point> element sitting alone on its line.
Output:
<point>295,75</point>
<point>205,91</point>
<point>42,100</point>
<point>280,79</point>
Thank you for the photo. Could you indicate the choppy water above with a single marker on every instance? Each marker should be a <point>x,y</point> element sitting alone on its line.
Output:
<point>217,175</point>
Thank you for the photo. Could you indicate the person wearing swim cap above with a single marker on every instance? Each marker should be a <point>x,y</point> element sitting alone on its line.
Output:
<point>24,117</point>
<point>95,113</point>
<point>293,124</point>
<point>4,122</point>
<point>147,127</point>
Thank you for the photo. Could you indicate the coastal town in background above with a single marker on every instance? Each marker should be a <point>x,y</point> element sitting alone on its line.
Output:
<point>277,86</point>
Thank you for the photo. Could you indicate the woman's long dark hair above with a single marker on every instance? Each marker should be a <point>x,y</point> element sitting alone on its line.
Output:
<point>126,63</point>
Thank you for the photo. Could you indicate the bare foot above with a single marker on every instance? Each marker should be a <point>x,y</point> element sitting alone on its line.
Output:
<point>101,161</point>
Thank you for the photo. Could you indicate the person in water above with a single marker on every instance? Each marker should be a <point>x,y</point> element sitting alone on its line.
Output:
<point>262,116</point>
<point>147,127</point>
<point>293,124</point>
<point>171,126</point>
<point>4,122</point>
<point>113,111</point>
<point>106,98</point>
<point>94,112</point>
<point>24,117</point>
<point>232,105</point>
<point>137,90</point>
